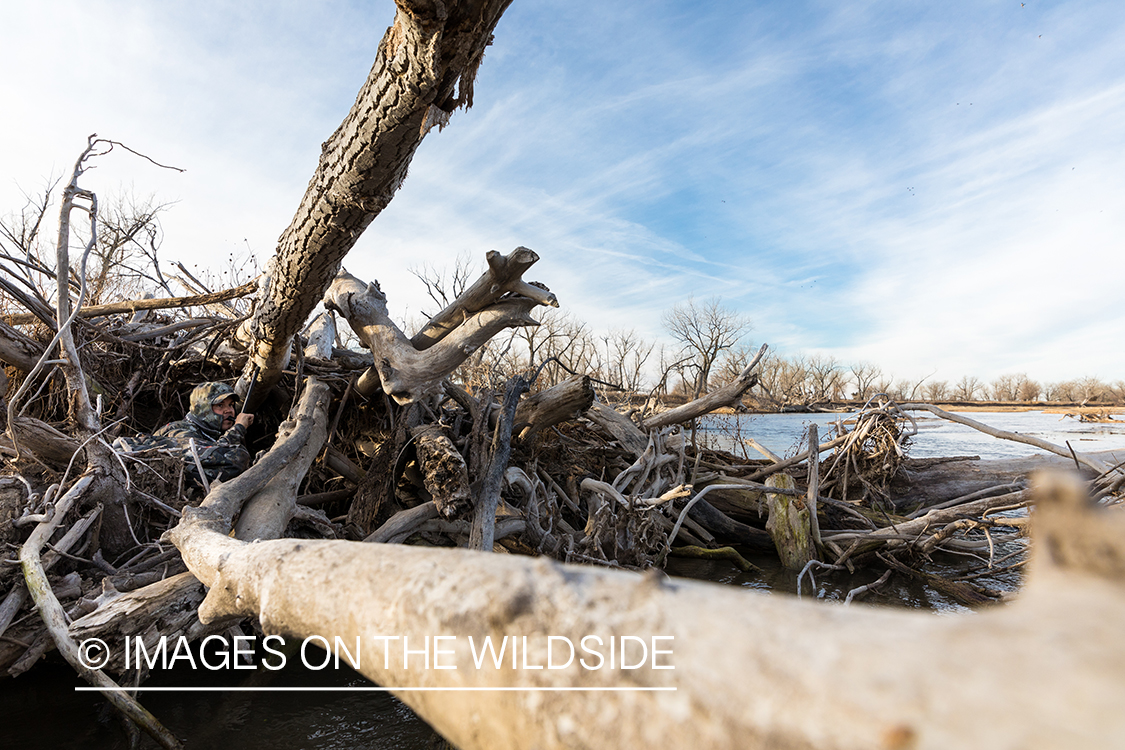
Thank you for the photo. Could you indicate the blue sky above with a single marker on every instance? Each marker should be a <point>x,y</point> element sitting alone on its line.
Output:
<point>933,187</point>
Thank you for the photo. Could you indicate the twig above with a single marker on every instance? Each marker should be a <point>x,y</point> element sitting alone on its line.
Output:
<point>199,467</point>
<point>864,589</point>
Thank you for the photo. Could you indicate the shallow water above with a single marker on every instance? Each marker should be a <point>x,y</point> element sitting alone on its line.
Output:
<point>302,720</point>
<point>784,434</point>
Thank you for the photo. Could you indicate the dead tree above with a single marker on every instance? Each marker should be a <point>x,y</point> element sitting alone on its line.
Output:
<point>423,71</point>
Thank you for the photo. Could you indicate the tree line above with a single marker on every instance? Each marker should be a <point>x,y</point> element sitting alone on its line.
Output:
<point>708,340</point>
<point>709,346</point>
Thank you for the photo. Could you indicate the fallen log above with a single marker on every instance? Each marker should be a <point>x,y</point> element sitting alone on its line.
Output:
<point>559,403</point>
<point>728,395</point>
<point>813,675</point>
<point>132,306</point>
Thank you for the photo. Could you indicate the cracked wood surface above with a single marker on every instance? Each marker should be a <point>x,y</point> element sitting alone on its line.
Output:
<point>422,71</point>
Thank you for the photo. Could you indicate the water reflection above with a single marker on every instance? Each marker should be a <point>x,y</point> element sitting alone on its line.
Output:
<point>304,720</point>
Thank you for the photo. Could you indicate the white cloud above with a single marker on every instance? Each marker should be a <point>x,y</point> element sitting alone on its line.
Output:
<point>925,187</point>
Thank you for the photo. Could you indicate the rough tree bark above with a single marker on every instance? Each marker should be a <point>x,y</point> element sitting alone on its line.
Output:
<point>424,69</point>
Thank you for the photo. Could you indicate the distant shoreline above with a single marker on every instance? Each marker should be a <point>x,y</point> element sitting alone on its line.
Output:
<point>1011,406</point>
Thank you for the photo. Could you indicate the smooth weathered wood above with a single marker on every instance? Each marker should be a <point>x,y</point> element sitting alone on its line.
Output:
<point>405,373</point>
<point>504,276</point>
<point>335,460</point>
<point>549,407</point>
<point>267,514</point>
<point>403,523</point>
<point>813,674</point>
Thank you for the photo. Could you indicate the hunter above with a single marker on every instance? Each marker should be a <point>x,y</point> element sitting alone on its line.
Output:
<point>217,429</point>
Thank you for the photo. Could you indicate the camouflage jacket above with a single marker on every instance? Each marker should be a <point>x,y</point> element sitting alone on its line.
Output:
<point>223,455</point>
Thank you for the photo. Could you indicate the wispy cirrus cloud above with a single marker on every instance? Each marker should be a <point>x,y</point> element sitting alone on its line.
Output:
<point>930,187</point>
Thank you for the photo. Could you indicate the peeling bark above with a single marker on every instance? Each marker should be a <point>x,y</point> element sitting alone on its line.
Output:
<point>444,472</point>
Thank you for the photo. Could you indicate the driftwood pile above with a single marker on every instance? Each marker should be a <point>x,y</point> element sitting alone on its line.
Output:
<point>356,446</point>
<point>555,472</point>
<point>389,446</point>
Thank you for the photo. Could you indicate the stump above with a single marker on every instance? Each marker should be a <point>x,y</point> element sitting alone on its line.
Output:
<point>788,524</point>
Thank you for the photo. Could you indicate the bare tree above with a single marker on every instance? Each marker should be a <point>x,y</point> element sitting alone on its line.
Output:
<point>792,381</point>
<point>936,390</point>
<point>705,330</point>
<point>1027,389</point>
<point>1004,388</point>
<point>825,378</point>
<point>626,355</point>
<point>967,387</point>
<point>444,285</point>
<point>1090,389</point>
<point>865,375</point>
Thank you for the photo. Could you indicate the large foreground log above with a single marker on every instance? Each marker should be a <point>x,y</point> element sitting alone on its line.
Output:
<point>750,671</point>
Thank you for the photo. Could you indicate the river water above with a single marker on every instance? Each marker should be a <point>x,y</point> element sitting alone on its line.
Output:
<point>784,433</point>
<point>42,710</point>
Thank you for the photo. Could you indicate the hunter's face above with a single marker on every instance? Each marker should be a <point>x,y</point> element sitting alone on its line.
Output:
<point>225,409</point>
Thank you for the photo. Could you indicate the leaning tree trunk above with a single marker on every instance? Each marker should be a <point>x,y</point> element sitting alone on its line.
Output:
<point>424,70</point>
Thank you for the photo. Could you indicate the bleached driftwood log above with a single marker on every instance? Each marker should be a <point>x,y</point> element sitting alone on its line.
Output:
<point>504,276</point>
<point>127,306</point>
<point>1094,463</point>
<point>750,671</point>
<point>727,395</point>
<point>544,409</point>
<point>405,373</point>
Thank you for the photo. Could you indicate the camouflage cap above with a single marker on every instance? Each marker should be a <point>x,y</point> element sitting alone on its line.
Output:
<point>207,395</point>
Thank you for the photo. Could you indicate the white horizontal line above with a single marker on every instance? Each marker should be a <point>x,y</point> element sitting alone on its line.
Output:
<point>366,689</point>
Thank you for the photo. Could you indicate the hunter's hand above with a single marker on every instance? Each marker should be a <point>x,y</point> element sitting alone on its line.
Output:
<point>245,420</point>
